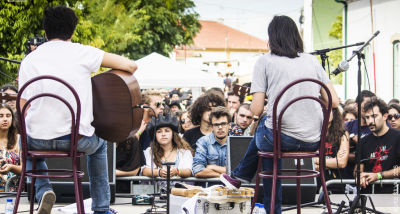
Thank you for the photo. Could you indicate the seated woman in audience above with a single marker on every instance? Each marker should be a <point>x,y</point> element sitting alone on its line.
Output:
<point>9,147</point>
<point>394,116</point>
<point>336,146</point>
<point>168,147</point>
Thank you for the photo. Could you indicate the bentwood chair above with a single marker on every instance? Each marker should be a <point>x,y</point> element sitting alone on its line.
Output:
<point>277,154</point>
<point>75,173</point>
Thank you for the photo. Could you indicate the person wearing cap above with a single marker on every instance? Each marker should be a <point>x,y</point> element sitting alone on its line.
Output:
<point>174,106</point>
<point>167,147</point>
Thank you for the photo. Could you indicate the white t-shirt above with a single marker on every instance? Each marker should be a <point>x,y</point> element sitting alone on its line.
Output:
<point>184,159</point>
<point>49,118</point>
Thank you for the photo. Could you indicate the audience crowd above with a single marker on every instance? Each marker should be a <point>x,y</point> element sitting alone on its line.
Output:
<point>193,134</point>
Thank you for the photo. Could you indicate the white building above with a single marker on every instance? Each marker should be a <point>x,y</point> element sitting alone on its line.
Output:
<point>382,55</point>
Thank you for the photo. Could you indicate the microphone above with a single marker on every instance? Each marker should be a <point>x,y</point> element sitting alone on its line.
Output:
<point>342,67</point>
<point>141,106</point>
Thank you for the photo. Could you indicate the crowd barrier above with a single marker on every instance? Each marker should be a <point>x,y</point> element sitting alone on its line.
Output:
<point>394,182</point>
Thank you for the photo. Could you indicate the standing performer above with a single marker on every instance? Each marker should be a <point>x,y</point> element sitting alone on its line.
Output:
<point>301,125</point>
<point>73,63</point>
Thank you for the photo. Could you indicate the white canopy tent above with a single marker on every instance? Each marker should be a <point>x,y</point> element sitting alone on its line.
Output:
<point>157,71</point>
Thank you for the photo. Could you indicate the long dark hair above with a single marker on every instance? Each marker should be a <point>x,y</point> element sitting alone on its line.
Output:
<point>177,143</point>
<point>336,129</point>
<point>284,37</point>
<point>12,131</point>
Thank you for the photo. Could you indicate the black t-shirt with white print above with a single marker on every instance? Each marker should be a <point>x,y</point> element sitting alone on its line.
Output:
<point>381,153</point>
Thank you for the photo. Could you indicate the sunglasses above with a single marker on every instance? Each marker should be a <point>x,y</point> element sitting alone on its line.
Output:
<point>185,121</point>
<point>395,116</point>
<point>248,117</point>
<point>158,104</point>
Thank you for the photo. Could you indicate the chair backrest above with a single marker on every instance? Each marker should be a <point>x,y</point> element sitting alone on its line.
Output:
<point>277,121</point>
<point>75,118</point>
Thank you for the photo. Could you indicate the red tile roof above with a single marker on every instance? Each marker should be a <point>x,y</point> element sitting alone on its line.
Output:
<point>214,35</point>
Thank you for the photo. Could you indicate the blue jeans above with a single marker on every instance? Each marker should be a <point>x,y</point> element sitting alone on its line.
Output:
<point>96,151</point>
<point>263,140</point>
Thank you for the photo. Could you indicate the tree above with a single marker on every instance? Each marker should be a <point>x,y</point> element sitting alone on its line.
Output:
<point>130,28</point>
<point>336,56</point>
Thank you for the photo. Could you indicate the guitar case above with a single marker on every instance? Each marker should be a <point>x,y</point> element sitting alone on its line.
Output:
<point>115,97</point>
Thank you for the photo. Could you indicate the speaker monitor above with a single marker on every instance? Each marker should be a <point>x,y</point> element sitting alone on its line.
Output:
<point>237,148</point>
<point>64,188</point>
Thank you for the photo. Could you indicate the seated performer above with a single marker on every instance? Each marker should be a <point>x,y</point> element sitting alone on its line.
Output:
<point>301,124</point>
<point>49,121</point>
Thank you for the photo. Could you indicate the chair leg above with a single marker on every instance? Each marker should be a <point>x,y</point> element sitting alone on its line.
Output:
<point>32,194</point>
<point>19,191</point>
<point>273,188</point>
<point>77,188</point>
<point>325,189</point>
<point>257,187</point>
<point>298,188</point>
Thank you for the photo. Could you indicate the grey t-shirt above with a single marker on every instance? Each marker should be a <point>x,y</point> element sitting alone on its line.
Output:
<point>303,119</point>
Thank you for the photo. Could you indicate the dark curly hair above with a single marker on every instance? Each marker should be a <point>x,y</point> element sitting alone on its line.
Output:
<point>59,22</point>
<point>374,101</point>
<point>202,104</point>
<point>220,111</point>
<point>336,129</point>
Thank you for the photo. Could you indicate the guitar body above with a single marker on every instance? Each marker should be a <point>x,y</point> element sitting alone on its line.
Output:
<point>114,94</point>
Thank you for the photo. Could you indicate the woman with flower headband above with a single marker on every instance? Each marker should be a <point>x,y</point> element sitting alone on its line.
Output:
<point>167,147</point>
<point>9,147</point>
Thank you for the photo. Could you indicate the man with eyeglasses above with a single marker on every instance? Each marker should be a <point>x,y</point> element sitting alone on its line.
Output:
<point>244,118</point>
<point>210,158</point>
<point>380,151</point>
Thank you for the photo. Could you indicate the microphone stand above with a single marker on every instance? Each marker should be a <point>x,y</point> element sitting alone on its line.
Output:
<point>324,57</point>
<point>360,201</point>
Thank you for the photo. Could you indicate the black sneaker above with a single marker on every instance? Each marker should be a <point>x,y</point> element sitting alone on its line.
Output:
<point>47,202</point>
<point>230,183</point>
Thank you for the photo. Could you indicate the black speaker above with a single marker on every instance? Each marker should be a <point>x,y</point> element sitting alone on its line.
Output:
<point>64,188</point>
<point>237,147</point>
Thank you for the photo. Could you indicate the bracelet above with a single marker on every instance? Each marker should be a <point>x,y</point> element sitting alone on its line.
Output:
<point>139,133</point>
<point>159,172</point>
<point>179,172</point>
<point>379,175</point>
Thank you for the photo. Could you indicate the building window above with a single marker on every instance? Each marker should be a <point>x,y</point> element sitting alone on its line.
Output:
<point>396,69</point>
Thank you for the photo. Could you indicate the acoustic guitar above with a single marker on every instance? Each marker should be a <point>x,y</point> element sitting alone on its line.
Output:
<point>115,97</point>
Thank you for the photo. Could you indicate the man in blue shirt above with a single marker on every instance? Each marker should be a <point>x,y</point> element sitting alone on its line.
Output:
<point>210,157</point>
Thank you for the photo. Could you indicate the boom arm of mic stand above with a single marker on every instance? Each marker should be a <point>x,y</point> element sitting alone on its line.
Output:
<point>332,49</point>
<point>355,53</point>
<point>10,60</point>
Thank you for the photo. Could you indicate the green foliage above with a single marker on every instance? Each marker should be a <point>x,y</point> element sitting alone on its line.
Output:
<point>130,28</point>
<point>336,56</point>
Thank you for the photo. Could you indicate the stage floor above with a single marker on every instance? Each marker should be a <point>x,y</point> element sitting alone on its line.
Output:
<point>386,203</point>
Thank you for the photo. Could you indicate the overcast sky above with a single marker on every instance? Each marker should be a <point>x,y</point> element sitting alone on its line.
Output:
<point>251,16</point>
